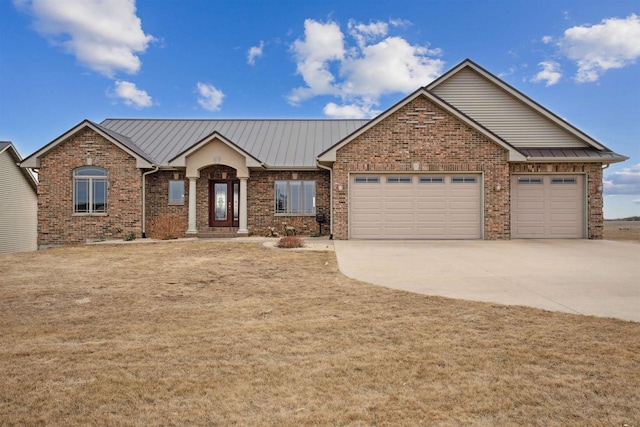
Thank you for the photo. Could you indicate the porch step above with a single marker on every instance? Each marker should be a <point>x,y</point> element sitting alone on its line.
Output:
<point>219,232</point>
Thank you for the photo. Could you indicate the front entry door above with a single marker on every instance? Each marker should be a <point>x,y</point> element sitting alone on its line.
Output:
<point>224,199</point>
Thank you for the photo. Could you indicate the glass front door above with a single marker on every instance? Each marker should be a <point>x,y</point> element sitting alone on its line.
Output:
<point>224,208</point>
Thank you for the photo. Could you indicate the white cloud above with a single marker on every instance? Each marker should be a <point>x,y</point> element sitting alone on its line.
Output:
<point>547,39</point>
<point>601,47</point>
<point>550,73</point>
<point>626,181</point>
<point>322,44</point>
<point>254,52</point>
<point>364,33</point>
<point>105,36</point>
<point>637,201</point>
<point>392,65</point>
<point>399,22</point>
<point>131,95</point>
<point>210,98</point>
<point>373,65</point>
<point>349,111</point>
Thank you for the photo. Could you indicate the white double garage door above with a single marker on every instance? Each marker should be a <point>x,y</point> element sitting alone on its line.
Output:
<point>449,206</point>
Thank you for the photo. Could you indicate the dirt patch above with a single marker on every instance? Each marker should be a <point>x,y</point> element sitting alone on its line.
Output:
<point>206,333</point>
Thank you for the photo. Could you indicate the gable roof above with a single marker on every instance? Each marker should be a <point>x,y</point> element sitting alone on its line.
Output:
<point>180,158</point>
<point>329,155</point>
<point>285,144</point>
<point>122,141</point>
<point>276,143</point>
<point>505,110</point>
<point>7,146</point>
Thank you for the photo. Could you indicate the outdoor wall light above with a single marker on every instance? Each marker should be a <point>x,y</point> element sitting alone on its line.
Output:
<point>339,187</point>
<point>498,187</point>
<point>599,187</point>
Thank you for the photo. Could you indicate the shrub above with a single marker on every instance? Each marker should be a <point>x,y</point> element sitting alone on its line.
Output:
<point>290,242</point>
<point>130,236</point>
<point>166,226</point>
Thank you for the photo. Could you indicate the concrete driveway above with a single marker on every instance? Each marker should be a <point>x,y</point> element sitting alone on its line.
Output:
<point>600,278</point>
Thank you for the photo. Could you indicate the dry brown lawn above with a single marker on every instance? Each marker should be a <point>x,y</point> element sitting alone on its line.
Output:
<point>622,230</point>
<point>201,333</point>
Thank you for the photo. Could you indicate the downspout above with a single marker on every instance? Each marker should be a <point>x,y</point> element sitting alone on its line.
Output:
<point>330,198</point>
<point>144,199</point>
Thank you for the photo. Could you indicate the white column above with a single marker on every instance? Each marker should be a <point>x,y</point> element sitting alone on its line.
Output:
<point>193,229</point>
<point>243,207</point>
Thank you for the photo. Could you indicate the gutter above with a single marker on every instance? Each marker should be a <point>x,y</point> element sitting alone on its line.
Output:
<point>330,197</point>
<point>144,199</point>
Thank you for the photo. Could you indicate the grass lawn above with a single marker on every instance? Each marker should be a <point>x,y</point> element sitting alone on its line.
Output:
<point>201,333</point>
<point>622,230</point>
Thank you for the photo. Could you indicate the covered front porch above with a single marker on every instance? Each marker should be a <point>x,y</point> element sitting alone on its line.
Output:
<point>217,171</point>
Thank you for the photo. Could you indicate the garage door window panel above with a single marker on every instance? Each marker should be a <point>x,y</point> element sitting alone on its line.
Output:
<point>563,181</point>
<point>463,179</point>
<point>431,180</point>
<point>529,180</point>
<point>367,180</point>
<point>399,180</point>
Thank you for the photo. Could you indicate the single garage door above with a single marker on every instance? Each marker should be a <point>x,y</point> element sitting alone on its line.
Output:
<point>547,206</point>
<point>415,206</point>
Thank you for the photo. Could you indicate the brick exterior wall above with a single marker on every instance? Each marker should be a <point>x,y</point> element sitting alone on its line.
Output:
<point>421,132</point>
<point>157,198</point>
<point>260,199</point>
<point>593,171</point>
<point>57,224</point>
<point>261,202</point>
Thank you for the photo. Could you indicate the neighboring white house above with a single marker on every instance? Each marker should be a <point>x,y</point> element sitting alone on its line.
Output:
<point>18,203</point>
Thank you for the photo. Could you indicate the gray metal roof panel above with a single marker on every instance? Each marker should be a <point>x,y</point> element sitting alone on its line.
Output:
<point>572,154</point>
<point>124,140</point>
<point>277,143</point>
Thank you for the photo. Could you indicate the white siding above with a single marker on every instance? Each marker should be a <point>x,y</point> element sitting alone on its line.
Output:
<point>502,113</point>
<point>18,208</point>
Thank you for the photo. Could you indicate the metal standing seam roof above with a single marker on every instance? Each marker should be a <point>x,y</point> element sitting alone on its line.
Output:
<point>571,154</point>
<point>276,143</point>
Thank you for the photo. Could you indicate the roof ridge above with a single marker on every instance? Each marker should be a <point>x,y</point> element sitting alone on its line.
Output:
<point>234,120</point>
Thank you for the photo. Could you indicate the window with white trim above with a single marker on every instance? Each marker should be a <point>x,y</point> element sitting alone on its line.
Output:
<point>295,197</point>
<point>90,190</point>
<point>176,192</point>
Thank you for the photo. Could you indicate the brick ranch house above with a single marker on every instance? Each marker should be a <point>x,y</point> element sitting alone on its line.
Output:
<point>466,157</point>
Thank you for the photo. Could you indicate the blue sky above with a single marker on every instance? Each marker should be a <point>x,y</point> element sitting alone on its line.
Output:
<point>62,61</point>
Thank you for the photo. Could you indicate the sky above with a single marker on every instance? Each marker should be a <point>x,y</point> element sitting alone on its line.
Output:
<point>63,61</point>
